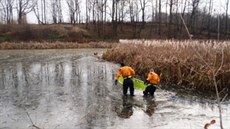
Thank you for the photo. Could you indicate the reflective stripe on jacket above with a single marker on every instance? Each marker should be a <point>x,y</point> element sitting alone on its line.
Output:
<point>153,78</point>
<point>125,72</point>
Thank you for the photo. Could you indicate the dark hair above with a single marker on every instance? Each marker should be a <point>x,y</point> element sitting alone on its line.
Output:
<point>122,64</point>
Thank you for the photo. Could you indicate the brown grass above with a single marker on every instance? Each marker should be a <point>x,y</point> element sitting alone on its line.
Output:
<point>94,32</point>
<point>53,45</point>
<point>187,64</point>
<point>30,32</point>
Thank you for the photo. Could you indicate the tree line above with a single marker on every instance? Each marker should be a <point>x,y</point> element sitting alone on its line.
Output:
<point>199,15</point>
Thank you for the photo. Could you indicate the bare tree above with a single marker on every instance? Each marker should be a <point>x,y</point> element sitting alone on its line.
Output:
<point>94,10</point>
<point>44,18</point>
<point>40,11</point>
<point>131,10</point>
<point>59,9</point>
<point>105,9</point>
<point>153,18</point>
<point>226,17</point>
<point>24,7</point>
<point>87,12</point>
<point>56,10</point>
<point>183,8</point>
<point>214,72</point>
<point>159,30</point>
<point>122,10</point>
<point>195,4</point>
<point>43,11</point>
<point>209,17</point>
<point>7,10</point>
<point>101,9</point>
<point>105,2</point>
<point>166,10</point>
<point>91,9</point>
<point>155,14</point>
<point>37,12</point>
<point>101,13</point>
<point>136,11</point>
<point>114,16</point>
<point>74,10</point>
<point>1,16</point>
<point>177,19</point>
<point>170,18</point>
<point>143,6</point>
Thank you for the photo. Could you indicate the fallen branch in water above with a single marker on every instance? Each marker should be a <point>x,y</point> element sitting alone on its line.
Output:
<point>31,120</point>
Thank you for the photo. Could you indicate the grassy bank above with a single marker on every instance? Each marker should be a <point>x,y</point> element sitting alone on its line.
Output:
<point>53,45</point>
<point>186,66</point>
<point>41,33</point>
<point>93,32</point>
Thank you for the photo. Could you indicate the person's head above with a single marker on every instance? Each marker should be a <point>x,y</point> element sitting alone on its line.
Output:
<point>122,64</point>
<point>151,70</point>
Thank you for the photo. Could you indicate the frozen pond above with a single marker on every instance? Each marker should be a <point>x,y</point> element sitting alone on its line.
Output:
<point>72,89</point>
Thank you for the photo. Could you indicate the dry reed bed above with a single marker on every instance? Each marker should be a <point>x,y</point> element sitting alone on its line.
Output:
<point>53,45</point>
<point>190,65</point>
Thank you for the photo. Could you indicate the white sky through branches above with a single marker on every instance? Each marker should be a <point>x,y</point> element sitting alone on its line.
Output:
<point>218,6</point>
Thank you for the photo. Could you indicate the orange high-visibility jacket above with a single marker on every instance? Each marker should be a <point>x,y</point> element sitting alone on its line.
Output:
<point>125,72</point>
<point>153,78</point>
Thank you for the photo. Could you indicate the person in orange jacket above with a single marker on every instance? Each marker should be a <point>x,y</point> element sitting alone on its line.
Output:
<point>152,81</point>
<point>127,73</point>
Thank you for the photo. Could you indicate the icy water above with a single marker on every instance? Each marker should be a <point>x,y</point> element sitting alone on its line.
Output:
<point>72,89</point>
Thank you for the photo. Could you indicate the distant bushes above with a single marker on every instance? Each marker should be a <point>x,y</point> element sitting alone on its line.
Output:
<point>184,65</point>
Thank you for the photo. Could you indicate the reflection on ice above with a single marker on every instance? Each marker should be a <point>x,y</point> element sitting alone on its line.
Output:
<point>73,89</point>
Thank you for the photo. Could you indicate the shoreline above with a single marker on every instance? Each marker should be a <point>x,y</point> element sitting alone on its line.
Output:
<point>53,45</point>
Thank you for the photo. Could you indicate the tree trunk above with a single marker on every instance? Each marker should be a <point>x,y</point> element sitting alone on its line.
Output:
<point>183,12</point>
<point>209,19</point>
<point>170,19</point>
<point>113,18</point>
<point>86,13</point>
<point>159,30</point>
<point>226,18</point>
<point>44,10</point>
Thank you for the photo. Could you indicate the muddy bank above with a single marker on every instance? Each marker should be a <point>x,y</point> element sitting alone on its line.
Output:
<point>72,89</point>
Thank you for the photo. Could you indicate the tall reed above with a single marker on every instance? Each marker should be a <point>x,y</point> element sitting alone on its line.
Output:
<point>186,64</point>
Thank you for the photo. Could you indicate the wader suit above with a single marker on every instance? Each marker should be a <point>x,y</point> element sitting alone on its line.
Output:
<point>152,81</point>
<point>127,73</point>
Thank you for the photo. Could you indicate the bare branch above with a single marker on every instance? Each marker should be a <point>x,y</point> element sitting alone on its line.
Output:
<point>31,119</point>
<point>222,62</point>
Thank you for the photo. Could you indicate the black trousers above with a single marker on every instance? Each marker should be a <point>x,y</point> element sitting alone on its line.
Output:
<point>128,83</point>
<point>150,90</point>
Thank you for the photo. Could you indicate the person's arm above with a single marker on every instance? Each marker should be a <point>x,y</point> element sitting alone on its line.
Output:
<point>132,72</point>
<point>148,78</point>
<point>118,74</point>
<point>157,78</point>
